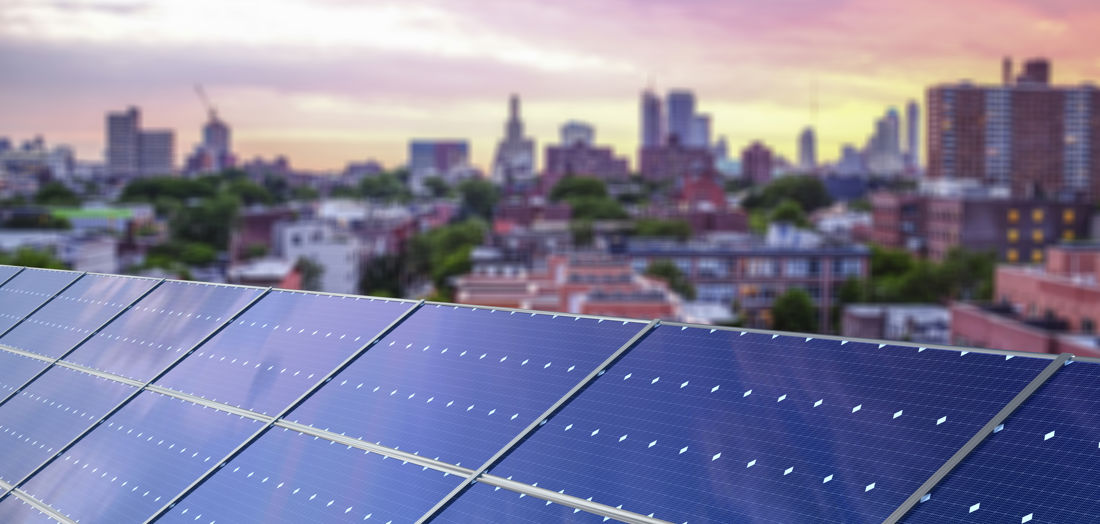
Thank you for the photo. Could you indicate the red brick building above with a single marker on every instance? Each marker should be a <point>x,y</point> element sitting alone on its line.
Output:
<point>673,161</point>
<point>757,163</point>
<point>581,159</point>
<point>1054,308</point>
<point>898,220</point>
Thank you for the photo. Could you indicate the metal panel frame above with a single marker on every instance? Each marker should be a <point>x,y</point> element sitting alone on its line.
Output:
<point>19,269</point>
<point>535,312</point>
<point>137,391</point>
<point>981,435</point>
<point>569,395</point>
<point>295,403</point>
<point>80,342</point>
<point>43,304</point>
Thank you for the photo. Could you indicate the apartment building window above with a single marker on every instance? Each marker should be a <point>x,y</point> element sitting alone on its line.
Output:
<point>1036,255</point>
<point>761,267</point>
<point>1012,255</point>
<point>722,293</point>
<point>1087,326</point>
<point>639,264</point>
<point>1037,235</point>
<point>814,267</point>
<point>1068,234</point>
<point>712,267</point>
<point>797,268</point>
<point>1037,215</point>
<point>849,267</point>
<point>1068,216</point>
<point>1013,234</point>
<point>1013,216</point>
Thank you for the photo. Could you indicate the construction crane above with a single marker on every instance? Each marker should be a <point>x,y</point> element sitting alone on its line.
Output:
<point>206,102</point>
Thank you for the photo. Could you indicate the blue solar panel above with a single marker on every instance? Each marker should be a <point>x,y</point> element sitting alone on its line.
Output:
<point>1043,466</point>
<point>138,459</point>
<point>703,425</point>
<point>158,329</point>
<point>6,272</point>
<point>16,370</point>
<point>287,476</point>
<point>458,383</point>
<point>75,313</point>
<point>29,290</point>
<point>48,414</point>
<point>490,504</point>
<point>282,346</point>
<point>13,509</point>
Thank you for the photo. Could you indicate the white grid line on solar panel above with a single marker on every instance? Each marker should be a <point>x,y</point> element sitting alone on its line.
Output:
<point>1038,423</point>
<point>277,478</point>
<point>78,457</point>
<point>10,354</point>
<point>619,369</point>
<point>13,498</point>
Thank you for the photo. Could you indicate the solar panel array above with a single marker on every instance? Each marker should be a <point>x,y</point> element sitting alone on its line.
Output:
<point>127,399</point>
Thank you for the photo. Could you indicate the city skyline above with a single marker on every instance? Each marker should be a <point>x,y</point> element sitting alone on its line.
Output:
<point>346,82</point>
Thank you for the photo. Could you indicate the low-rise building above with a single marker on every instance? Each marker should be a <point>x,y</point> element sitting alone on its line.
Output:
<point>266,272</point>
<point>96,253</point>
<point>921,323</point>
<point>336,250</point>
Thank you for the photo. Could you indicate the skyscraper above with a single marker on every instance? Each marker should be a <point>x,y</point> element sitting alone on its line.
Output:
<point>807,149</point>
<point>123,143</point>
<point>883,151</point>
<point>1034,138</point>
<point>681,111</point>
<point>699,135</point>
<point>912,135</point>
<point>157,152</point>
<point>515,156</point>
<point>652,134</point>
<point>214,153</point>
<point>574,131</point>
<point>757,163</point>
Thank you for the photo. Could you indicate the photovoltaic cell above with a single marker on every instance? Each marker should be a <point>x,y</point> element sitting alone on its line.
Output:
<point>138,459</point>
<point>16,370</point>
<point>13,509</point>
<point>482,503</point>
<point>48,414</point>
<point>280,348</point>
<point>1042,466</point>
<point>75,313</point>
<point>29,290</point>
<point>702,425</point>
<point>7,271</point>
<point>457,383</point>
<point>287,476</point>
<point>158,329</point>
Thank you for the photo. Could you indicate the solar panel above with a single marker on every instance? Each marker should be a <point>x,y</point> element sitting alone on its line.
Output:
<point>13,509</point>
<point>425,387</point>
<point>283,345</point>
<point>287,476</point>
<point>16,370</point>
<point>715,425</point>
<point>45,416</point>
<point>75,313</point>
<point>1043,465</point>
<point>7,272</point>
<point>138,459</point>
<point>491,504</point>
<point>157,330</point>
<point>28,290</point>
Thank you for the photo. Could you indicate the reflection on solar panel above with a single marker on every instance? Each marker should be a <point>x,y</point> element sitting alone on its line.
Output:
<point>128,400</point>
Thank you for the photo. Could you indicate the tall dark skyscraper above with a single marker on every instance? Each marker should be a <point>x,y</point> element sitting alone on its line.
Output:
<point>652,134</point>
<point>912,135</point>
<point>1034,138</point>
<point>680,106</point>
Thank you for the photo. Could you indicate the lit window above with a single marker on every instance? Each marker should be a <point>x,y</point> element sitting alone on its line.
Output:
<point>1068,216</point>
<point>1068,235</point>
<point>1012,255</point>
<point>1013,216</point>
<point>1037,215</point>
<point>1037,235</point>
<point>1013,234</point>
<point>1036,255</point>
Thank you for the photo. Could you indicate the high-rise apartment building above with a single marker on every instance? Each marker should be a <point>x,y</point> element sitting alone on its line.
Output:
<point>912,136</point>
<point>699,134</point>
<point>214,153</point>
<point>1036,139</point>
<point>574,131</point>
<point>807,149</point>
<point>133,152</point>
<point>515,156</point>
<point>681,113</point>
<point>652,134</point>
<point>757,163</point>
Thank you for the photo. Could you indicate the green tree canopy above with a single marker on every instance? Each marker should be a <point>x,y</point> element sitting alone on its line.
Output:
<point>56,194</point>
<point>386,187</point>
<point>809,191</point>
<point>573,187</point>
<point>677,281</point>
<point>311,273</point>
<point>794,311</point>
<point>791,212</point>
<point>479,197</point>
<point>30,257</point>
<point>437,187</point>
<point>655,227</point>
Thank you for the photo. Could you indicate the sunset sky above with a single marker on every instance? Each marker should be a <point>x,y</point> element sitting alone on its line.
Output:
<point>331,81</point>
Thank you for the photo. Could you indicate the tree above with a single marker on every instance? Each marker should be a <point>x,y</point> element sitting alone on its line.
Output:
<point>791,212</point>
<point>30,257</point>
<point>479,197</point>
<point>794,311</point>
<point>249,192</point>
<point>208,221</point>
<point>808,191</point>
<point>56,194</point>
<point>677,281</point>
<point>385,187</point>
<point>437,187</point>
<point>591,208</point>
<point>653,227</point>
<point>311,273</point>
<point>304,193</point>
<point>583,232</point>
<point>572,187</point>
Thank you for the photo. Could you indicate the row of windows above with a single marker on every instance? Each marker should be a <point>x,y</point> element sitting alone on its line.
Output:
<point>759,267</point>
<point>1037,215</point>
<point>1037,236</point>
<point>1013,255</point>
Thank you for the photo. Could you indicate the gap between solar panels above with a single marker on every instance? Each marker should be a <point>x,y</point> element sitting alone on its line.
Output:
<point>136,391</point>
<point>40,306</point>
<point>54,361</point>
<point>979,437</point>
<point>268,425</point>
<point>552,496</point>
<point>11,276</point>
